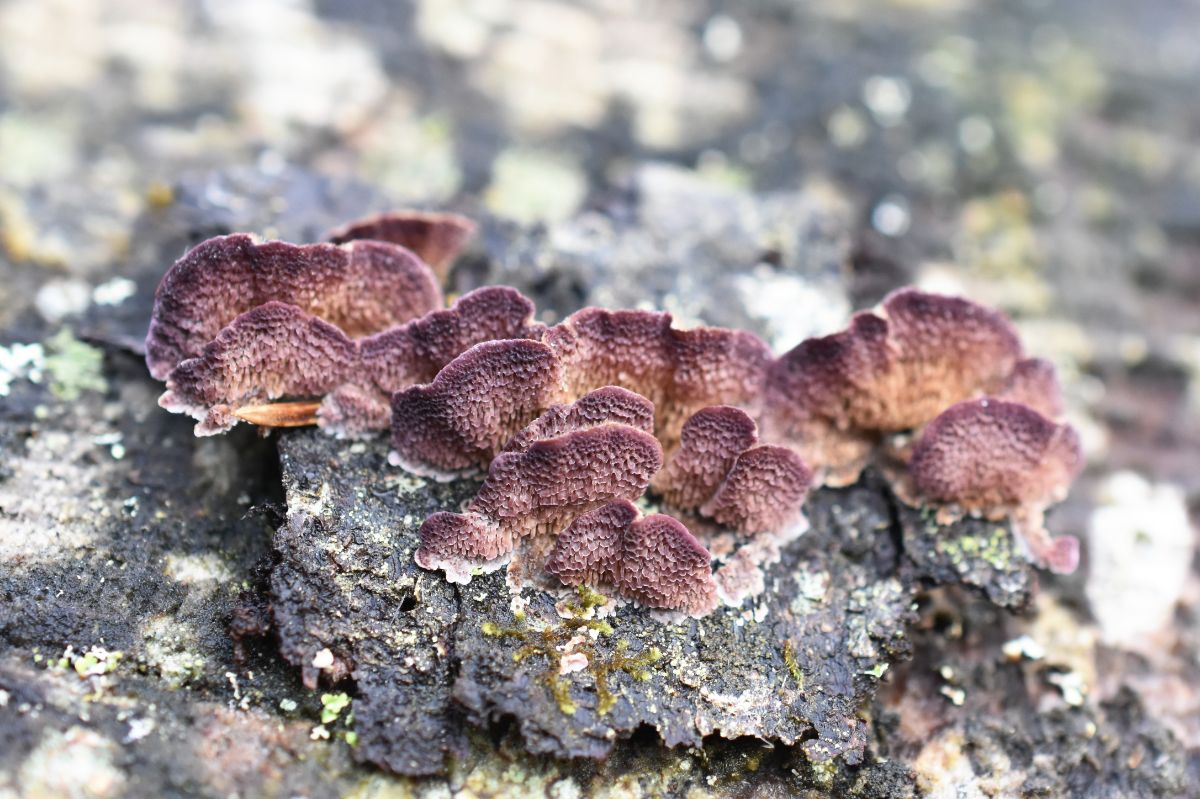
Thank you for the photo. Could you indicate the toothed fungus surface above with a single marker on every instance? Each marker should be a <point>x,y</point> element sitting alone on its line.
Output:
<point>272,351</point>
<point>436,238</point>
<point>466,414</point>
<point>571,421</point>
<point>362,287</point>
<point>415,352</point>
<point>541,486</point>
<point>763,491</point>
<point>654,560</point>
<point>710,442</point>
<point>680,371</point>
<point>1034,383</point>
<point>986,454</point>
<point>608,404</point>
<point>890,370</point>
<point>277,350</point>
<point>997,457</point>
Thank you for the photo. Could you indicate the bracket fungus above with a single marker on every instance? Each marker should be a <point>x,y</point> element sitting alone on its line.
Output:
<point>465,415</point>
<point>720,470</point>
<point>654,560</point>
<point>710,442</point>
<point>1001,458</point>
<point>352,336</point>
<point>539,487</point>
<point>609,404</point>
<point>270,351</point>
<point>680,371</point>
<point>361,287</point>
<point>1034,383</point>
<point>763,491</point>
<point>437,238</point>
<point>892,369</point>
<point>278,349</point>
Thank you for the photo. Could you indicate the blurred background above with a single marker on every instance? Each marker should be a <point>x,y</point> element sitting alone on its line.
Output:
<point>1037,156</point>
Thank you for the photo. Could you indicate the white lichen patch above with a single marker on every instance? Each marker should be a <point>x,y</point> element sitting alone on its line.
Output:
<point>20,362</point>
<point>1141,545</point>
<point>792,308</point>
<point>114,291</point>
<point>58,299</point>
<point>197,568</point>
<point>812,590</point>
<point>56,499</point>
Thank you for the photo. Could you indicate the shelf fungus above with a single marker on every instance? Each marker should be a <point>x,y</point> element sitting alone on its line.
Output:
<point>537,489</point>
<point>470,410</point>
<point>624,458</point>
<point>464,416</point>
<point>332,330</point>
<point>721,471</point>
<point>999,458</point>
<point>361,288</point>
<point>1034,383</point>
<point>680,371</point>
<point>570,421</point>
<point>654,560</point>
<point>891,370</point>
<point>436,237</point>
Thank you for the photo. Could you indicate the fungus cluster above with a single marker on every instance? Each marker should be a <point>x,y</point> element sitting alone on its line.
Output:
<point>556,470</point>
<point>576,421</point>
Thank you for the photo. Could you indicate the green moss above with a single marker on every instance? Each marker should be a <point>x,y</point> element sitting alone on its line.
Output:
<point>589,599</point>
<point>793,665</point>
<point>635,666</point>
<point>493,630</point>
<point>560,689</point>
<point>544,642</point>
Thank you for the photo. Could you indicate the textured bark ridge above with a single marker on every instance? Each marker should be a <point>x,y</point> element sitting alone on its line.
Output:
<point>574,670</point>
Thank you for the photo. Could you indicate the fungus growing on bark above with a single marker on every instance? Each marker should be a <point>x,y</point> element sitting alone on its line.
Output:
<point>476,403</point>
<point>416,351</point>
<point>680,371</point>
<point>437,238</point>
<point>351,335</point>
<point>1034,383</point>
<point>654,560</point>
<point>271,351</point>
<point>277,350</point>
<point>454,423</point>
<point>609,404</point>
<point>538,490</point>
<point>719,471</point>
<point>891,370</point>
<point>763,491</point>
<point>709,443</point>
<point>996,458</point>
<point>362,287</point>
